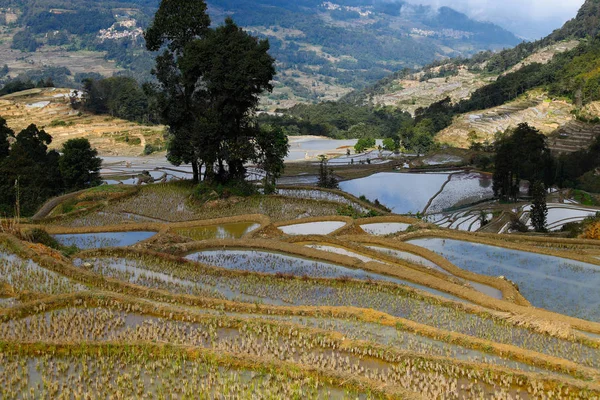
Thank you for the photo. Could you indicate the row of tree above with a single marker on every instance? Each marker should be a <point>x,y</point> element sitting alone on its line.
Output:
<point>30,173</point>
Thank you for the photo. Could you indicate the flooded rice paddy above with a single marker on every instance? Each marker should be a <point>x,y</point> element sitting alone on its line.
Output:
<point>384,228</point>
<point>105,239</point>
<point>557,284</point>
<point>312,228</point>
<point>223,231</point>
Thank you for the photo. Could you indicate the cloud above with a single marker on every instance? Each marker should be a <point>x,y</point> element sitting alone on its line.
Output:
<point>529,18</point>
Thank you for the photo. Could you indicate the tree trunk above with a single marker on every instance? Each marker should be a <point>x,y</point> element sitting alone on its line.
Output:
<point>196,178</point>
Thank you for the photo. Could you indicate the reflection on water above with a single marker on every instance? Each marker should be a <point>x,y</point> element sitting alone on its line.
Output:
<point>556,284</point>
<point>105,239</point>
<point>224,231</point>
<point>402,193</point>
<point>312,228</point>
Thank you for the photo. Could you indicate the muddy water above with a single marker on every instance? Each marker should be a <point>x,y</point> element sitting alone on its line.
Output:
<point>223,231</point>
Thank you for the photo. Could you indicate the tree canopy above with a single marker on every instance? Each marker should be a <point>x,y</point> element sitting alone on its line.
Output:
<point>210,80</point>
<point>31,174</point>
<point>521,154</point>
<point>79,165</point>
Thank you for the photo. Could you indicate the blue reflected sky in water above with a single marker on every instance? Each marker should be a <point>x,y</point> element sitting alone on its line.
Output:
<point>401,192</point>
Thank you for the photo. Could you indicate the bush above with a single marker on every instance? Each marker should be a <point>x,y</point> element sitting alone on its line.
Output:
<point>40,236</point>
<point>212,191</point>
<point>364,144</point>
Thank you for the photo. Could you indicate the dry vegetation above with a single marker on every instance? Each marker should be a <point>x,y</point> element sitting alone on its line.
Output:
<point>51,109</point>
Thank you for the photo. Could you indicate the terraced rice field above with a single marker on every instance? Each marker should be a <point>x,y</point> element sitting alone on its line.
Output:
<point>565,286</point>
<point>240,308</point>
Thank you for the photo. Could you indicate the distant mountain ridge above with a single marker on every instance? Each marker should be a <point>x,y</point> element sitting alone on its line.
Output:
<point>324,49</point>
<point>484,66</point>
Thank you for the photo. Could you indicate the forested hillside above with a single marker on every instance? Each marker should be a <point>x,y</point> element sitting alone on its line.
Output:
<point>324,49</point>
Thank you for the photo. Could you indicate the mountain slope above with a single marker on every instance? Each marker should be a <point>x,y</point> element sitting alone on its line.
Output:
<point>488,65</point>
<point>550,84</point>
<point>323,49</point>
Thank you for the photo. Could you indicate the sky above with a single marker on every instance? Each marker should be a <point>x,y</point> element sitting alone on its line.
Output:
<point>530,19</point>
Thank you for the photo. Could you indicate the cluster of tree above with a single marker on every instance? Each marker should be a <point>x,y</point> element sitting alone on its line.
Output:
<point>363,144</point>
<point>209,83</point>
<point>18,85</point>
<point>579,169</point>
<point>78,22</point>
<point>120,97</point>
<point>521,154</point>
<point>25,40</point>
<point>45,77</point>
<point>342,120</point>
<point>327,178</point>
<point>30,173</point>
<point>339,120</point>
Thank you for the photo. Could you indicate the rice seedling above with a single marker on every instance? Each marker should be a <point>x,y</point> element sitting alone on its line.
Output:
<point>123,374</point>
<point>25,277</point>
<point>393,300</point>
<point>285,343</point>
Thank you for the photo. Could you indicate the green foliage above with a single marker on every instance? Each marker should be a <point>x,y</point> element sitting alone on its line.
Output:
<point>273,147</point>
<point>364,144</point>
<point>25,41</point>
<point>326,178</point>
<point>79,165</point>
<point>349,211</point>
<point>29,173</point>
<point>521,154</point>
<point>120,97</point>
<point>539,210</point>
<point>390,144</point>
<point>585,198</point>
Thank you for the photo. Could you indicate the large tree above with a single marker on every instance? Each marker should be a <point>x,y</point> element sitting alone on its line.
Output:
<point>209,86</point>
<point>522,154</point>
<point>233,68</point>
<point>176,24</point>
<point>79,165</point>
